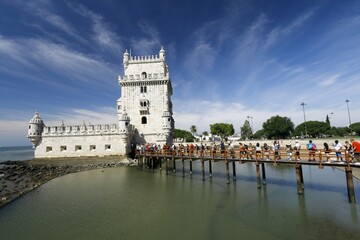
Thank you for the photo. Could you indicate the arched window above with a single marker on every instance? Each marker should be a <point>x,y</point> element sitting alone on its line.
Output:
<point>143,120</point>
<point>143,75</point>
<point>143,89</point>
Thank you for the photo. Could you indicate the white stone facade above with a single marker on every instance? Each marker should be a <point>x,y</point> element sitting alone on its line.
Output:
<point>144,111</point>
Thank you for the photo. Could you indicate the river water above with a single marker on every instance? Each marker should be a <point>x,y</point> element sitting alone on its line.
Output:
<point>126,203</point>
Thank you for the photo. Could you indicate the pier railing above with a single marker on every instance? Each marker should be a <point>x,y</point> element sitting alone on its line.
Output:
<point>149,158</point>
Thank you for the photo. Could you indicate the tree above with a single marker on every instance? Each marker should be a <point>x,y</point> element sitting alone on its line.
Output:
<point>259,134</point>
<point>328,121</point>
<point>205,133</point>
<point>186,135</point>
<point>246,131</point>
<point>355,127</point>
<point>222,129</point>
<point>314,128</point>
<point>278,127</point>
<point>193,129</point>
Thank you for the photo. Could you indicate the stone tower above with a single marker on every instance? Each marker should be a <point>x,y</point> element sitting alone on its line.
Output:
<point>146,96</point>
<point>36,126</point>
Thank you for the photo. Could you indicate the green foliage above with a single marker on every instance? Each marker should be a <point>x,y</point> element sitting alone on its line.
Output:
<point>186,135</point>
<point>260,134</point>
<point>246,131</point>
<point>355,127</point>
<point>193,129</point>
<point>205,133</point>
<point>314,129</point>
<point>222,129</point>
<point>328,121</point>
<point>278,127</point>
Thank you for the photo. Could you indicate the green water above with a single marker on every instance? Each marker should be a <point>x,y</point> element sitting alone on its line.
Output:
<point>125,203</point>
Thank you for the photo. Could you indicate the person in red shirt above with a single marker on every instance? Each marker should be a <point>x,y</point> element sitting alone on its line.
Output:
<point>356,149</point>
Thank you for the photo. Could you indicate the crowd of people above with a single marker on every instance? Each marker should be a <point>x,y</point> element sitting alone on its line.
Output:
<point>349,151</point>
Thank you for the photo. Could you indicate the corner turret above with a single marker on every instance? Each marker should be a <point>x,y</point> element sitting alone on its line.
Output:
<point>124,122</point>
<point>36,126</point>
<point>126,59</point>
<point>162,54</point>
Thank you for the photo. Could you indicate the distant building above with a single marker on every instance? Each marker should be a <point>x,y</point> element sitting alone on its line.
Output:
<point>144,110</point>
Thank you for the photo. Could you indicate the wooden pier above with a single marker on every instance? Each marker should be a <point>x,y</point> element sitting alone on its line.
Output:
<point>168,157</point>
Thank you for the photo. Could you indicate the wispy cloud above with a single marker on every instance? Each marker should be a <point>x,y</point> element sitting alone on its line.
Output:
<point>281,32</point>
<point>103,34</point>
<point>38,54</point>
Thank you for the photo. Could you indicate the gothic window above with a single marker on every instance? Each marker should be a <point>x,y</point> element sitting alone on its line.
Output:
<point>143,120</point>
<point>144,103</point>
<point>143,89</point>
<point>143,75</point>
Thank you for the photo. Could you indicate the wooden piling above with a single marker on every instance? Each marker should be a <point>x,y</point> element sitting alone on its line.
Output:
<point>350,184</point>
<point>166,166</point>
<point>183,165</point>
<point>320,161</point>
<point>174,164</point>
<point>191,167</point>
<point>210,167</point>
<point>227,172</point>
<point>234,170</point>
<point>202,167</point>
<point>263,173</point>
<point>298,179</point>
<point>258,175</point>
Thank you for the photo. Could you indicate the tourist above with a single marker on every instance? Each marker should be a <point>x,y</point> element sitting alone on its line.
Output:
<point>297,149</point>
<point>242,150</point>
<point>349,151</point>
<point>266,151</point>
<point>258,150</point>
<point>327,152</point>
<point>250,150</point>
<point>276,149</point>
<point>356,149</point>
<point>231,149</point>
<point>222,148</point>
<point>338,147</point>
<point>312,149</point>
<point>289,150</point>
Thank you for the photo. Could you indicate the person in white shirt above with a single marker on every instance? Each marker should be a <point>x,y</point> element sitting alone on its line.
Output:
<point>338,147</point>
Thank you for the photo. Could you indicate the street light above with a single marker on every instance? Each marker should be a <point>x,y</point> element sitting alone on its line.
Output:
<point>251,122</point>
<point>347,104</point>
<point>303,106</point>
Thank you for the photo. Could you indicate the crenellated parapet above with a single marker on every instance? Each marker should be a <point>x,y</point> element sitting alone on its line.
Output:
<point>76,130</point>
<point>144,77</point>
<point>145,59</point>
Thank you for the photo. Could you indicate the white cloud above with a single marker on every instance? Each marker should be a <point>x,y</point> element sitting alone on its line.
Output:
<point>38,54</point>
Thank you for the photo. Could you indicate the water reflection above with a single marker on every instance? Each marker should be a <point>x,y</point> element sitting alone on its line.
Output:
<point>130,204</point>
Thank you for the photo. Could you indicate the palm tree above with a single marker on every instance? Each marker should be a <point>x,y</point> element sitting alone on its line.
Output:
<point>193,129</point>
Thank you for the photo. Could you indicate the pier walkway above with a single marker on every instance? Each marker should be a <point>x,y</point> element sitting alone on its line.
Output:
<point>151,158</point>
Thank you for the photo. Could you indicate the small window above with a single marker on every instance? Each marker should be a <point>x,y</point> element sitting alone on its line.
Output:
<point>143,75</point>
<point>62,148</point>
<point>107,147</point>
<point>92,147</point>
<point>48,149</point>
<point>29,126</point>
<point>143,89</point>
<point>143,120</point>
<point>78,148</point>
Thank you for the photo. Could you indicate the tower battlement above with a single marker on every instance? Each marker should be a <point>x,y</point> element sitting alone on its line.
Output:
<point>76,130</point>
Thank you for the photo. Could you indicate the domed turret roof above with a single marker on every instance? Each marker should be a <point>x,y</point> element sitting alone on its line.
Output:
<point>124,116</point>
<point>166,114</point>
<point>36,119</point>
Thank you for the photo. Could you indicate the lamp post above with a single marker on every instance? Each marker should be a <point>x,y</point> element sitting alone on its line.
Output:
<point>249,117</point>
<point>303,106</point>
<point>347,104</point>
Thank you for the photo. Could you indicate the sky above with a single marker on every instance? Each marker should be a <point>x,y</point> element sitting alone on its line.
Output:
<point>229,61</point>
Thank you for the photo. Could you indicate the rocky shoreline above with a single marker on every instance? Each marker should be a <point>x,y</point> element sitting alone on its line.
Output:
<point>20,177</point>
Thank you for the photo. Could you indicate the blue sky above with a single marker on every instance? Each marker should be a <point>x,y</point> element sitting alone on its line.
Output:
<point>227,59</point>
